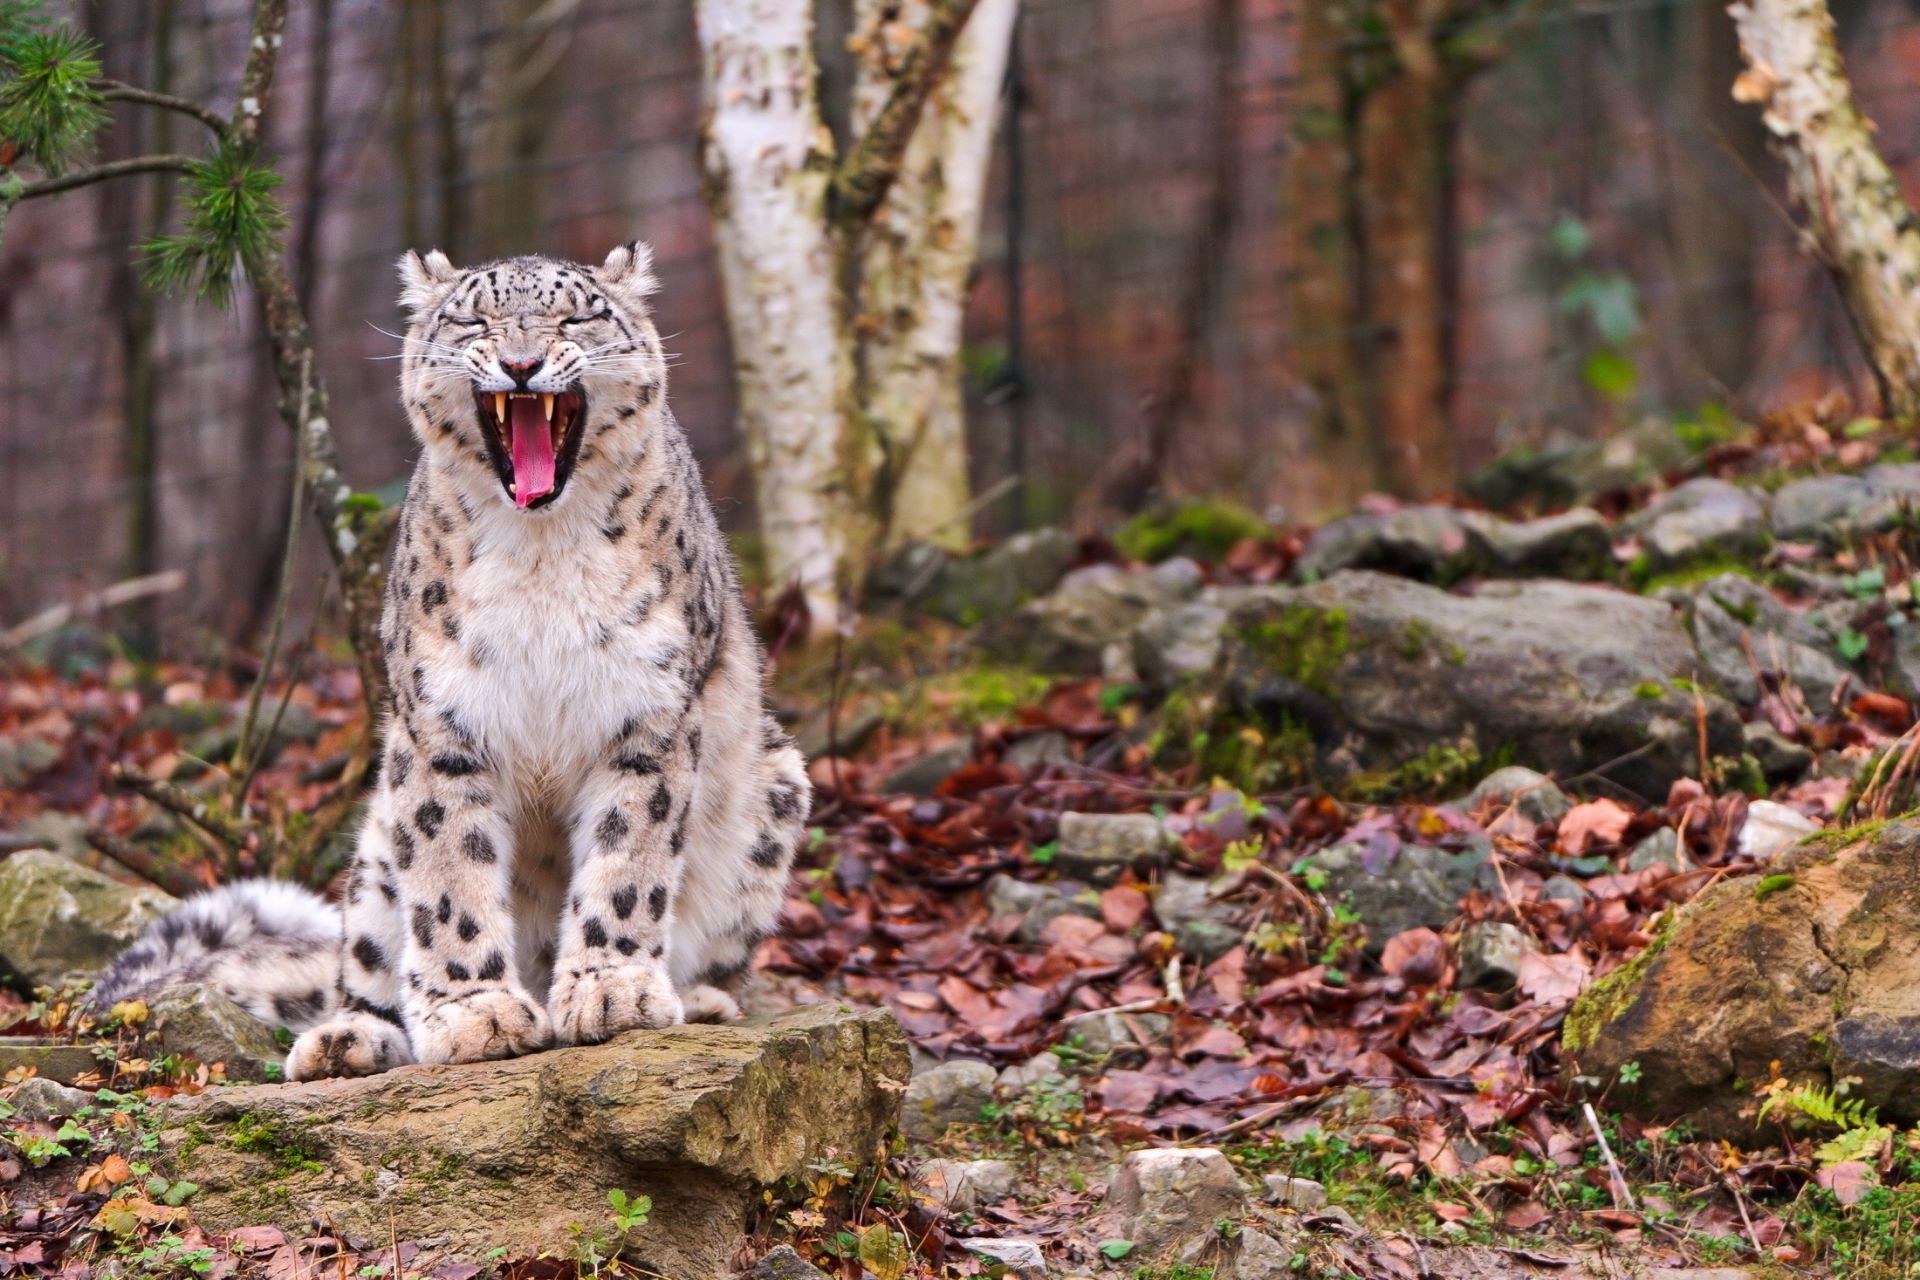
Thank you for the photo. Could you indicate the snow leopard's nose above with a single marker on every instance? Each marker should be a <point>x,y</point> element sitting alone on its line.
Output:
<point>522,370</point>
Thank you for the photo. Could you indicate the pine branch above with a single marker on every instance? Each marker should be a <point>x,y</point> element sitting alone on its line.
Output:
<point>115,91</point>
<point>104,172</point>
<point>868,173</point>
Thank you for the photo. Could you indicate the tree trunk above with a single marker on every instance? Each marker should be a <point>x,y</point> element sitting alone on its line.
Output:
<point>1857,220</point>
<point>916,261</point>
<point>768,163</point>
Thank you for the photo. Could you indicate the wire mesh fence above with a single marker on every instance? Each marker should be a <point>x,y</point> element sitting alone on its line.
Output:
<point>1610,242</point>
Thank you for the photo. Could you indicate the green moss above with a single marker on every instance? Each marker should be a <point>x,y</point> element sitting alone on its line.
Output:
<point>1443,769</point>
<point>1642,575</point>
<point>278,1141</point>
<point>1303,643</point>
<point>1610,997</point>
<point>1770,885</point>
<point>1206,529</point>
<point>1650,690</point>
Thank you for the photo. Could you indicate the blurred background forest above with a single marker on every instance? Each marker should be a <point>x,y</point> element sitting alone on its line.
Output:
<point>1163,297</point>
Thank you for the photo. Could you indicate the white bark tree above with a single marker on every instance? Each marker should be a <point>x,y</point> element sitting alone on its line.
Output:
<point>1857,222</point>
<point>845,270</point>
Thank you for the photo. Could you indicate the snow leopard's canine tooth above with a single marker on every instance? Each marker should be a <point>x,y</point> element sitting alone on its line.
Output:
<point>584,815</point>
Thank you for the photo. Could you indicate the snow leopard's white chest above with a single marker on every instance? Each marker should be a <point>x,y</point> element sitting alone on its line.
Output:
<point>553,663</point>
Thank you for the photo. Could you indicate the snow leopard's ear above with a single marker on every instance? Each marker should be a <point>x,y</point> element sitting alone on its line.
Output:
<point>423,280</point>
<point>630,268</point>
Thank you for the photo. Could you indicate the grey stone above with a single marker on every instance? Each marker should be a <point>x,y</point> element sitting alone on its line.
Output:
<point>1035,750</point>
<point>1560,888</point>
<point>1703,519</point>
<point>1568,677</point>
<point>1094,609</point>
<point>1565,473</point>
<point>1534,795</point>
<point>1432,543</point>
<point>1004,576</point>
<point>1771,828</point>
<point>963,1185</point>
<point>922,776</point>
<point>1022,1257</point>
<point>1573,544</point>
<point>23,759</point>
<point>64,833</point>
<point>1302,1195</point>
<point>1903,668</point>
<point>1822,508</point>
<point>830,733</point>
<point>1164,1196</point>
<point>1490,955</point>
<point>1179,643</point>
<point>1101,846</point>
<point>203,1024</point>
<point>1415,887</point>
<point>1201,926</point>
<point>1041,1068</point>
<point>1108,1034</point>
<point>1780,758</point>
<point>1037,905</point>
<point>1731,614</point>
<point>783,1262</point>
<point>60,919</point>
<point>40,1099</point>
<point>951,1093</point>
<point>1262,1257</point>
<point>1662,847</point>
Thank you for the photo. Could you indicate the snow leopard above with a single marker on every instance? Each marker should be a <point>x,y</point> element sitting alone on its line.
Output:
<point>585,815</point>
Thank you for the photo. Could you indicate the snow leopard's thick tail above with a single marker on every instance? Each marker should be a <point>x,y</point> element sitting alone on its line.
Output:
<point>270,945</point>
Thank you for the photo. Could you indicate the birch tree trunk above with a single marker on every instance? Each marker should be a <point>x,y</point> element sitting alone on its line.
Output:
<point>768,163</point>
<point>1857,221</point>
<point>916,259</point>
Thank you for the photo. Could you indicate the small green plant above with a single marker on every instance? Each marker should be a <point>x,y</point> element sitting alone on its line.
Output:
<point>1807,1105</point>
<point>594,1248</point>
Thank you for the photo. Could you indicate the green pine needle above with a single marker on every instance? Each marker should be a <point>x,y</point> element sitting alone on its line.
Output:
<point>232,219</point>
<point>49,110</point>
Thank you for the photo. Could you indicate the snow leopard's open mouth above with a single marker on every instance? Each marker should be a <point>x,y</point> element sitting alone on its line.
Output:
<point>533,438</point>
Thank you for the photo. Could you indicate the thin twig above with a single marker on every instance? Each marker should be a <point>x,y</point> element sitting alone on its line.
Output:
<point>177,881</point>
<point>104,172</point>
<point>116,91</point>
<point>200,811</point>
<point>152,584</point>
<point>1616,1180</point>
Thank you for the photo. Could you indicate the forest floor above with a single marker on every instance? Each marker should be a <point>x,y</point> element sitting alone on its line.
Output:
<point>1416,1079</point>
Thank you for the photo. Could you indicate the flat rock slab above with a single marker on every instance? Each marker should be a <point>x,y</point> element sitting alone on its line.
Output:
<point>515,1153</point>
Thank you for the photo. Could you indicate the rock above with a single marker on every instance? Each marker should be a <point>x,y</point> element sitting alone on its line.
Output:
<point>1771,828</point>
<point>1490,955</point>
<point>1163,1196</point>
<point>1022,1257</point>
<point>1431,543</point>
<point>1302,1195</point>
<point>1388,672</point>
<point>1780,758</point>
<point>1037,905</point>
<point>1101,846</point>
<point>64,833</point>
<point>1702,520</point>
<point>37,1099</point>
<point>298,723</point>
<point>1003,577</point>
<point>1040,1069</point>
<point>827,733</point>
<point>1662,847</point>
<point>1107,1034</point>
<point>700,1118</point>
<point>960,1186</point>
<point>22,759</point>
<point>1534,795</point>
<point>783,1262</point>
<point>1177,644</point>
<point>947,1094</point>
<point>1822,508</point>
<point>60,919</point>
<point>1565,474</point>
<point>1903,668</point>
<point>922,776</point>
<point>1049,746</point>
<point>1200,926</point>
<point>63,1063</point>
<point>1414,887</point>
<point>1573,544</point>
<point>202,1024</point>
<point>1093,609</point>
<point>1262,1257</point>
<point>1730,614</point>
<point>1561,888</point>
<point>1809,967</point>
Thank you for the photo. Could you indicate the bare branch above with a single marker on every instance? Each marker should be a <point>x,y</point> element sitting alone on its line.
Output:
<point>256,79</point>
<point>209,815</point>
<point>863,180</point>
<point>115,91</point>
<point>104,172</point>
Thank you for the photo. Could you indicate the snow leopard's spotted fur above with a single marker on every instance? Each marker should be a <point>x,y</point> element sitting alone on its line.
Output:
<point>585,816</point>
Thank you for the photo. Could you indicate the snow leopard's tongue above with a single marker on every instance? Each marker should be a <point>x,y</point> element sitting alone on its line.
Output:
<point>532,449</point>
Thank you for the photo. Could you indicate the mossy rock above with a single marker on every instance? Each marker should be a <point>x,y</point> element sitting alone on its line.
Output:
<point>1811,972</point>
<point>59,919</point>
<point>700,1118</point>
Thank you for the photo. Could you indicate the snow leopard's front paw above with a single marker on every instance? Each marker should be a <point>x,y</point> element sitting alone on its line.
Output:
<point>481,1024</point>
<point>597,1002</point>
<point>354,1044</point>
